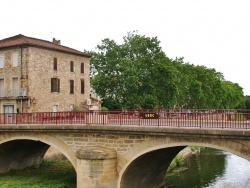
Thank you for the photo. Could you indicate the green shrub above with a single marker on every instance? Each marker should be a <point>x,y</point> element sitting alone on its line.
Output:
<point>104,108</point>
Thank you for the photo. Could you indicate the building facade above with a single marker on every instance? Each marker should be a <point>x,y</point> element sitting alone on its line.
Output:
<point>42,76</point>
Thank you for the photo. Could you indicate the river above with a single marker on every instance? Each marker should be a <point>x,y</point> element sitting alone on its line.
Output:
<point>211,169</point>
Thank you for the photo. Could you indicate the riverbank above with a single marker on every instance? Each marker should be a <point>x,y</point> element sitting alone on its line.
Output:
<point>50,174</point>
<point>182,156</point>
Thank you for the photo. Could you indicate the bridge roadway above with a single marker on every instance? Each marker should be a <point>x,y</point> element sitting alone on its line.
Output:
<point>113,156</point>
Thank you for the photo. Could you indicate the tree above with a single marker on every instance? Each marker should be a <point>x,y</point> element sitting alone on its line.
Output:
<point>138,74</point>
<point>233,95</point>
<point>135,74</point>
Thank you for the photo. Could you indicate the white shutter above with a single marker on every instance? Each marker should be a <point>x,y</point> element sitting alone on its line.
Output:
<point>1,62</point>
<point>14,60</point>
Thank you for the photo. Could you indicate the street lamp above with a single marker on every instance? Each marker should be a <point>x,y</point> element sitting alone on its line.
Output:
<point>22,79</point>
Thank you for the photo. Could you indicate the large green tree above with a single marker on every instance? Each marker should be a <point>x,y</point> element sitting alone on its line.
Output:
<point>138,74</point>
<point>134,74</point>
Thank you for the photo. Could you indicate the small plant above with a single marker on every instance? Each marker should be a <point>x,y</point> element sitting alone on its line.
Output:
<point>76,108</point>
<point>45,163</point>
<point>195,148</point>
<point>103,108</point>
<point>177,162</point>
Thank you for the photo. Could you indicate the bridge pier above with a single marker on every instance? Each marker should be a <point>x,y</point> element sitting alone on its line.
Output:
<point>96,168</point>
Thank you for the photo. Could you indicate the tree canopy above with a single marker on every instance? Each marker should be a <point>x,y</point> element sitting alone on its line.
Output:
<point>138,74</point>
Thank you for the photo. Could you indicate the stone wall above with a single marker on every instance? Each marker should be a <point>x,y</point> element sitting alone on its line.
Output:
<point>109,156</point>
<point>121,143</point>
<point>40,74</point>
<point>37,69</point>
<point>8,72</point>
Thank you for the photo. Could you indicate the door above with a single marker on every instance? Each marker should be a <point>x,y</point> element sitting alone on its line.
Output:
<point>9,113</point>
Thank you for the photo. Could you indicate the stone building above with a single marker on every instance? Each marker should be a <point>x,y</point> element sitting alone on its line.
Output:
<point>42,76</point>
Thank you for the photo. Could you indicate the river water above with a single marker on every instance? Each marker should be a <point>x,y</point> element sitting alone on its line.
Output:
<point>211,169</point>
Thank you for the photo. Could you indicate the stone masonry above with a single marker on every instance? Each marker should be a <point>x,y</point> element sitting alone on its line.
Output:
<point>35,60</point>
<point>120,157</point>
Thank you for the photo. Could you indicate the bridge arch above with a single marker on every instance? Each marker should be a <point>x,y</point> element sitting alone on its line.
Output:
<point>47,139</point>
<point>238,147</point>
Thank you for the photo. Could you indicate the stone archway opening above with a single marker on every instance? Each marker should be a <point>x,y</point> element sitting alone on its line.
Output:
<point>19,154</point>
<point>136,154</point>
<point>149,169</point>
<point>23,155</point>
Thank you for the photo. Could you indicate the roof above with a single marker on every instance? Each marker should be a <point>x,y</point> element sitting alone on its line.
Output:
<point>21,40</point>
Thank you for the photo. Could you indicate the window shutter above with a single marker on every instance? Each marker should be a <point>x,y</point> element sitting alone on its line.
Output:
<point>1,62</point>
<point>55,63</point>
<point>15,60</point>
<point>55,85</point>
<point>52,85</point>
<point>82,67</point>
<point>82,86</point>
<point>71,66</point>
<point>71,86</point>
<point>58,85</point>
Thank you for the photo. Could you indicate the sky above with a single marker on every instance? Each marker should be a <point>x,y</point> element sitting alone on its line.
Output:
<point>213,33</point>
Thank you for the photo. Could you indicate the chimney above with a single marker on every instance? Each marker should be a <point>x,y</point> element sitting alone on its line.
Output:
<point>58,42</point>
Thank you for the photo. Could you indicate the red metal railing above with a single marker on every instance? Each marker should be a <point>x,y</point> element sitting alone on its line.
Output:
<point>231,119</point>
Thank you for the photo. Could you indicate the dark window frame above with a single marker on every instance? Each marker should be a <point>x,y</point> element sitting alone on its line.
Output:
<point>82,67</point>
<point>71,66</point>
<point>71,87</point>
<point>55,85</point>
<point>82,86</point>
<point>55,64</point>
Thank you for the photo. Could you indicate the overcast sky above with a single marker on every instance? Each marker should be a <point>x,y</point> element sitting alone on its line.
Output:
<point>213,33</point>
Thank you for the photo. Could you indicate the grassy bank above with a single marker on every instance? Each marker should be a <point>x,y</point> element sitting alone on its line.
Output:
<point>50,174</point>
<point>179,159</point>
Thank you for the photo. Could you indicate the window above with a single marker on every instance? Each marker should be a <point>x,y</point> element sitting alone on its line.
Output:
<point>1,62</point>
<point>71,86</point>
<point>55,64</point>
<point>71,66</point>
<point>82,67</point>
<point>55,85</point>
<point>55,108</point>
<point>71,107</point>
<point>1,87</point>
<point>82,86</point>
<point>14,60</point>
<point>15,87</point>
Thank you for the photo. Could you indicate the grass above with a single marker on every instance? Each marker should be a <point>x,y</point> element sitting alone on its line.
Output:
<point>196,148</point>
<point>50,174</point>
<point>177,162</point>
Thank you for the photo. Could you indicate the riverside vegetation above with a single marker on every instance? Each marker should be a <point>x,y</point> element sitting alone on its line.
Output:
<point>176,164</point>
<point>50,174</point>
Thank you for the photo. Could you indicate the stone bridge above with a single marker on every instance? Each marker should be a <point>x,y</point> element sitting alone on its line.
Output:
<point>106,156</point>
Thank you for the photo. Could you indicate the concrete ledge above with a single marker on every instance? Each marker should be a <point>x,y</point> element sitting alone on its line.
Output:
<point>129,129</point>
<point>96,153</point>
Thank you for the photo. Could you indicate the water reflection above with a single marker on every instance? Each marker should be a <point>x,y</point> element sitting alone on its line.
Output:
<point>212,169</point>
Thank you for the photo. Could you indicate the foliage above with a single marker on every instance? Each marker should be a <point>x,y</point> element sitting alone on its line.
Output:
<point>138,74</point>
<point>56,174</point>
<point>76,108</point>
<point>135,74</point>
<point>176,162</point>
<point>196,148</point>
<point>104,108</point>
<point>245,104</point>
